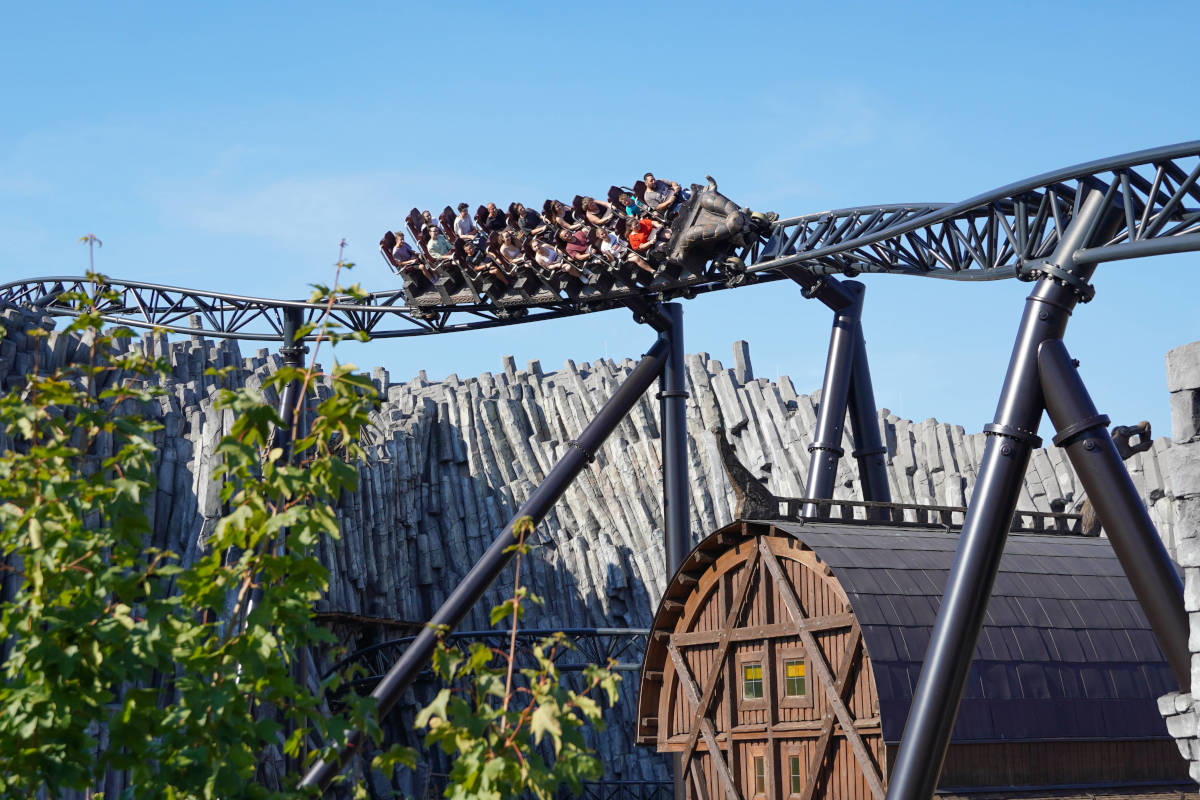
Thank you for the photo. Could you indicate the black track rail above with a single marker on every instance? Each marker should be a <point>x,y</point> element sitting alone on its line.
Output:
<point>624,646</point>
<point>1008,232</point>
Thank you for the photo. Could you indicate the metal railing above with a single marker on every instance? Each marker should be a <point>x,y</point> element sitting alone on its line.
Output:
<point>915,515</point>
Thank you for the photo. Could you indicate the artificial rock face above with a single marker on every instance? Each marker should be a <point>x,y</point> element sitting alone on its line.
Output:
<point>1182,467</point>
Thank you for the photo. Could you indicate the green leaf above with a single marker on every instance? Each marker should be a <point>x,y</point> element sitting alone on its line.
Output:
<point>545,721</point>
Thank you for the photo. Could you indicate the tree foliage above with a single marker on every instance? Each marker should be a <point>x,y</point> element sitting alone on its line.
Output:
<point>117,656</point>
<point>496,728</point>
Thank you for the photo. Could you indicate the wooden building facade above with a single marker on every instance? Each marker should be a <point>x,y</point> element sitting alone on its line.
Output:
<point>783,658</point>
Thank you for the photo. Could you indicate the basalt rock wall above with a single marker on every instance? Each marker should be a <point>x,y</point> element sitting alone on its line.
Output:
<point>450,461</point>
<point>1183,382</point>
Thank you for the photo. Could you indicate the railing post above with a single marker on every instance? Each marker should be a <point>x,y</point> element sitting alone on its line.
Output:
<point>1010,442</point>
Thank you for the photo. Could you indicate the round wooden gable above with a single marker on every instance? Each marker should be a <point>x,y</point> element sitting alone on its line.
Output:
<point>783,658</point>
<point>755,676</point>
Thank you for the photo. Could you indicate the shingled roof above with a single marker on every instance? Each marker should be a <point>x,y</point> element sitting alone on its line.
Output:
<point>1065,651</point>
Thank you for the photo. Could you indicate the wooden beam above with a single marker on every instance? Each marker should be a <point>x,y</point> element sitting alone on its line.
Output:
<point>714,677</point>
<point>821,667</point>
<point>700,783</point>
<point>849,657</point>
<point>706,726</point>
<point>728,689</point>
<point>775,630</point>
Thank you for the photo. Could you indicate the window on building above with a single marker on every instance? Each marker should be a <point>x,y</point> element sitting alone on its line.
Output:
<point>760,775</point>
<point>752,680</point>
<point>795,684</point>
<point>796,784</point>
<point>791,661</point>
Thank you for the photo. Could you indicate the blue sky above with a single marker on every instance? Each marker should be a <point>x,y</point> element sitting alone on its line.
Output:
<point>229,147</point>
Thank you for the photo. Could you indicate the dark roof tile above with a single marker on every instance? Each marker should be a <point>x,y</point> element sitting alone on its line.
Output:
<point>1072,680</point>
<point>973,687</point>
<point>1088,716</point>
<point>1055,687</point>
<point>1066,645</point>
<point>1034,682</point>
<point>974,720</point>
<point>1127,679</point>
<point>1030,642</point>
<point>1108,646</point>
<point>1143,641</point>
<point>909,610</point>
<point>1035,613</point>
<point>1160,679</point>
<point>1093,617</point>
<point>985,649</point>
<point>1096,683</point>
<point>1007,585</point>
<point>997,684</point>
<point>1003,612</point>
<point>879,643</point>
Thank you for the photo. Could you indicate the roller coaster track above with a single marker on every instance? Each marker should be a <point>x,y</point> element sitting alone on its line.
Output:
<point>1000,233</point>
<point>1008,232</point>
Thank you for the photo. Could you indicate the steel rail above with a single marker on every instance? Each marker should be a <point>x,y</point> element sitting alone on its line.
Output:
<point>587,644</point>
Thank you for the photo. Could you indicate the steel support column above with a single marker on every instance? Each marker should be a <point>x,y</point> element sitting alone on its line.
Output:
<point>580,452</point>
<point>826,448</point>
<point>869,449</point>
<point>1010,441</point>
<point>677,538</point>
<point>1083,435</point>
<point>292,352</point>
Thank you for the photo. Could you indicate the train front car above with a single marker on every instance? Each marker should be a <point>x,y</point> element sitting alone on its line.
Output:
<point>712,229</point>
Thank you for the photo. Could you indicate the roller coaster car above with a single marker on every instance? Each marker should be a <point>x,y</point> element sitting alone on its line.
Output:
<point>708,227</point>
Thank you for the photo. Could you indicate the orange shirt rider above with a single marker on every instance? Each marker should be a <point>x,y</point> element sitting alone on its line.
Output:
<point>640,235</point>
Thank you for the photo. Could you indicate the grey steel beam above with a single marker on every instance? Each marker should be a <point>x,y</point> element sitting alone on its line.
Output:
<point>1083,435</point>
<point>292,352</point>
<point>1140,249</point>
<point>826,448</point>
<point>869,449</point>
<point>673,394</point>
